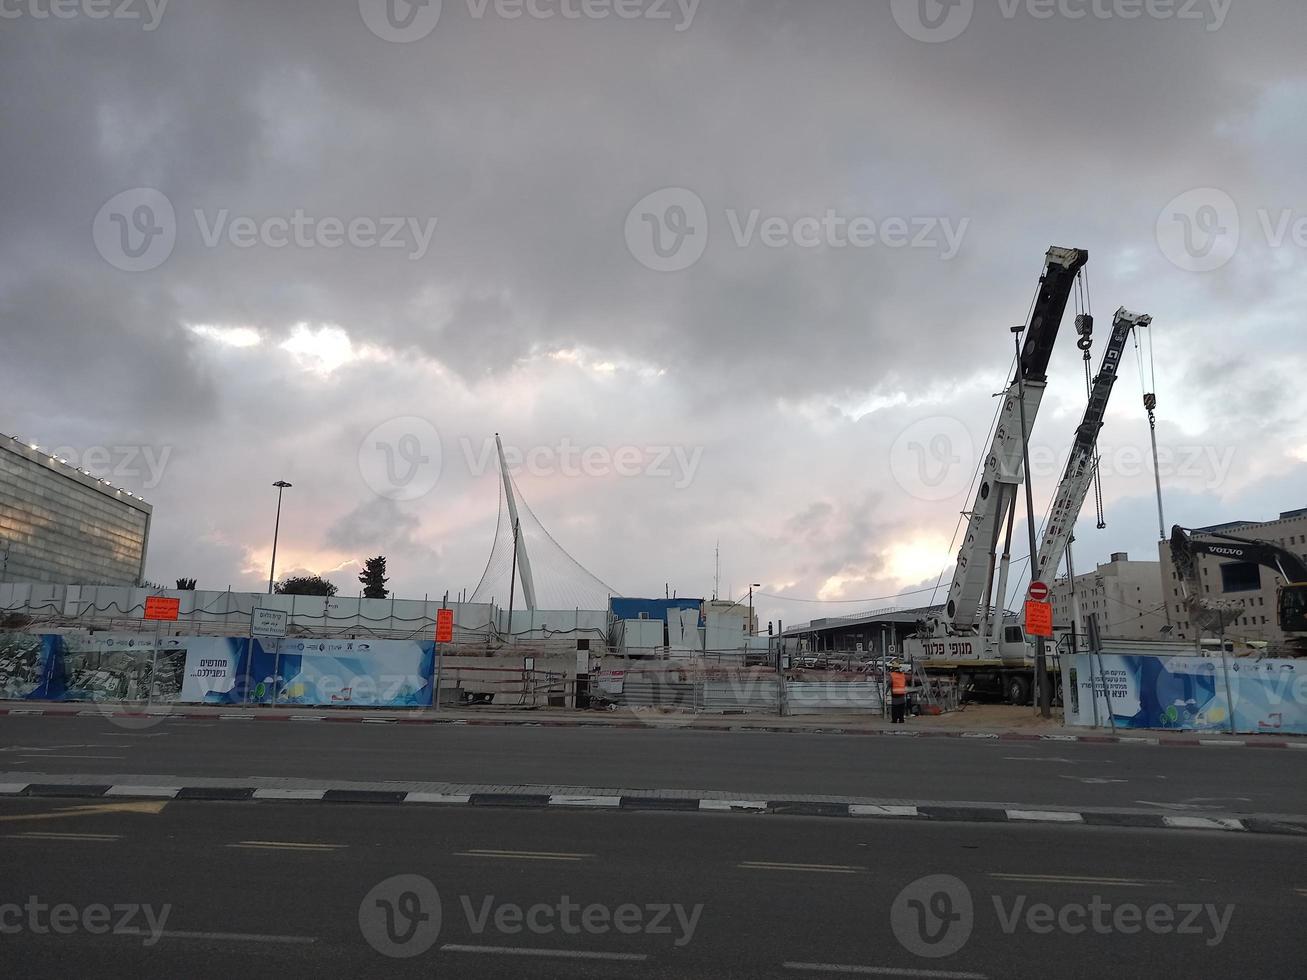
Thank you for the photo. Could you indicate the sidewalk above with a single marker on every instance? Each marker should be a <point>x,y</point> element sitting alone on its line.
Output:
<point>976,721</point>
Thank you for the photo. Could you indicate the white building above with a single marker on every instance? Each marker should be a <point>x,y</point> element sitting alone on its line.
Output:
<point>1125,595</point>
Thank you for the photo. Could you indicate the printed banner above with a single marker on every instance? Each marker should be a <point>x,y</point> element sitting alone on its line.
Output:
<point>129,667</point>
<point>1191,693</point>
<point>341,673</point>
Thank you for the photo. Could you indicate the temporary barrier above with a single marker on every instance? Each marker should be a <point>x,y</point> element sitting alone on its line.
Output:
<point>1190,693</point>
<point>805,697</point>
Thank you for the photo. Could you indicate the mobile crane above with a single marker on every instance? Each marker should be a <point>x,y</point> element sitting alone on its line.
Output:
<point>1083,461</point>
<point>1291,603</point>
<point>961,641</point>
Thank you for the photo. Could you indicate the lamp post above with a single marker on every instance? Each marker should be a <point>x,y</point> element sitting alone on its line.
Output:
<point>281,486</point>
<point>752,586</point>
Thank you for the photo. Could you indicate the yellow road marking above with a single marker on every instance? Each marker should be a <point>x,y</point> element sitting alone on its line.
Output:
<point>145,806</point>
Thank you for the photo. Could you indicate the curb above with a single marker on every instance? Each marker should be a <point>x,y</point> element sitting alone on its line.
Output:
<point>1189,739</point>
<point>912,812</point>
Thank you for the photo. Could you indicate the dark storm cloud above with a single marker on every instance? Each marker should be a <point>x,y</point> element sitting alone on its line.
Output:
<point>527,142</point>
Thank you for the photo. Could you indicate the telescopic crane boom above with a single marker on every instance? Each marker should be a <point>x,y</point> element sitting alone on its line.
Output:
<point>1003,472</point>
<point>1083,462</point>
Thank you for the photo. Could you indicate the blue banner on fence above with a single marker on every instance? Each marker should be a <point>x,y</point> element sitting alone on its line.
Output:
<point>1192,693</point>
<point>343,673</point>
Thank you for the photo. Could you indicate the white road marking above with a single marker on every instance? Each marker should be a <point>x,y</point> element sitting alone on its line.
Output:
<point>241,937</point>
<point>126,790</point>
<point>585,801</point>
<point>885,971</point>
<point>574,954</point>
<point>235,717</point>
<point>732,804</point>
<point>437,798</point>
<point>524,855</point>
<point>287,845</point>
<point>306,717</point>
<point>1078,880</point>
<point>875,810</point>
<point>1203,823</point>
<point>833,869</point>
<point>1221,741</point>
<point>8,789</point>
<point>1050,816</point>
<point>43,835</point>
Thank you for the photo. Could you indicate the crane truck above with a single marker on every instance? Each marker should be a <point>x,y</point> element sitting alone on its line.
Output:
<point>1291,602</point>
<point>969,639</point>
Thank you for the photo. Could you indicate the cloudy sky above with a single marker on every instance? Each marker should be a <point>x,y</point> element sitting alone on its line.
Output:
<point>736,272</point>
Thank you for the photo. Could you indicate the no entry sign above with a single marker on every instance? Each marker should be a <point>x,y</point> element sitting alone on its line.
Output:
<point>1038,592</point>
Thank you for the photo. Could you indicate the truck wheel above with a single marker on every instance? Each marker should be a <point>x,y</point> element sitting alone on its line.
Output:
<point>1017,690</point>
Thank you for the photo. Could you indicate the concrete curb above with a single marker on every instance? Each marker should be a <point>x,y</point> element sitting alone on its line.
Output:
<point>1188,739</point>
<point>651,801</point>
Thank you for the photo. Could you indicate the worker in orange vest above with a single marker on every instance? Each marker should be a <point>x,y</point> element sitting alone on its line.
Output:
<point>898,689</point>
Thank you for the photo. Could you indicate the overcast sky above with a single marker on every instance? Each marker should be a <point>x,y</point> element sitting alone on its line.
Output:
<point>731,271</point>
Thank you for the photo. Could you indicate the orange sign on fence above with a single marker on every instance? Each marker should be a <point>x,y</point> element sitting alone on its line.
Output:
<point>1039,618</point>
<point>161,607</point>
<point>444,626</point>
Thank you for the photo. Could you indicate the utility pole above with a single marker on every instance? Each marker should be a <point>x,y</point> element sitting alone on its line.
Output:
<point>755,585</point>
<point>1041,672</point>
<point>512,582</point>
<point>276,528</point>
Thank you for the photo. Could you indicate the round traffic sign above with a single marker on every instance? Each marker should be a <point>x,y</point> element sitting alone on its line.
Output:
<point>1038,592</point>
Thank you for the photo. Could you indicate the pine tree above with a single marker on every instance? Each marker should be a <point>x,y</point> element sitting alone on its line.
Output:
<point>373,578</point>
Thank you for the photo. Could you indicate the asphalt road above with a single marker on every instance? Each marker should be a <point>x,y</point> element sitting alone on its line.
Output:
<point>262,889</point>
<point>1232,780</point>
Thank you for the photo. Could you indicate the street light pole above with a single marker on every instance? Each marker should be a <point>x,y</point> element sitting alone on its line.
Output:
<point>281,485</point>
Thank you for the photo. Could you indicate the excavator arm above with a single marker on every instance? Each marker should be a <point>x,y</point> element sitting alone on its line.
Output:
<point>1186,547</point>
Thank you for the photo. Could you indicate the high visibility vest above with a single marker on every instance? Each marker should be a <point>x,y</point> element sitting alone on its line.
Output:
<point>898,683</point>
